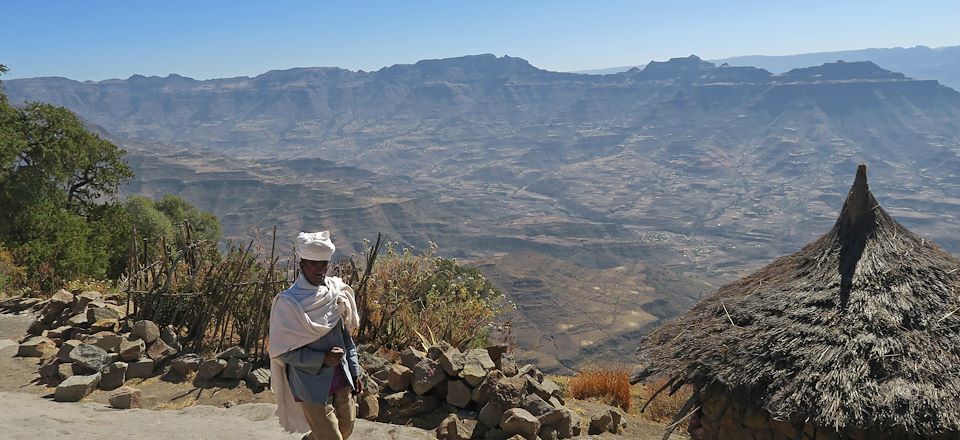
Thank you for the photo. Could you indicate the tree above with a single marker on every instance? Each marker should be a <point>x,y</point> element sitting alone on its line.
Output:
<point>57,183</point>
<point>179,210</point>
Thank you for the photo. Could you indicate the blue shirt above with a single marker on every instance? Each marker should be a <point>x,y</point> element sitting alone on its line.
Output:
<point>309,378</point>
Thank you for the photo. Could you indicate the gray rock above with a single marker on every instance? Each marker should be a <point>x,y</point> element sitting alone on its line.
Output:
<point>509,392</point>
<point>210,368</point>
<point>146,330</point>
<point>420,405</point>
<point>132,348</point>
<point>399,377</point>
<point>410,357</point>
<point>114,376</point>
<point>65,348</point>
<point>58,302</point>
<point>534,387</point>
<point>618,423</point>
<point>90,357</point>
<point>159,351</point>
<point>141,368</point>
<point>59,332</point>
<point>427,374</point>
<point>50,369</point>
<point>236,369</point>
<point>452,361</point>
<point>259,379</point>
<point>125,398</point>
<point>530,370</point>
<point>98,314</point>
<point>497,434</point>
<point>37,346</point>
<point>232,352</point>
<point>186,364</point>
<point>106,340</point>
<point>75,388</point>
<point>458,393</point>
<point>552,388</point>
<point>520,421</point>
<point>480,356</point>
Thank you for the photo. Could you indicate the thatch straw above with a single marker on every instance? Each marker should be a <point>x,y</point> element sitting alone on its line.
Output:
<point>859,329</point>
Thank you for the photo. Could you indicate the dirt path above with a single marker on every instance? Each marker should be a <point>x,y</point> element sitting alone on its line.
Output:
<point>27,410</point>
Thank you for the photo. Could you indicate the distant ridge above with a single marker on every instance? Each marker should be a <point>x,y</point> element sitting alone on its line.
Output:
<point>920,62</point>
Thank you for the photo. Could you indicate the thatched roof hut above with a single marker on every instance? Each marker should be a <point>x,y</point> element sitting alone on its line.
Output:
<point>857,335</point>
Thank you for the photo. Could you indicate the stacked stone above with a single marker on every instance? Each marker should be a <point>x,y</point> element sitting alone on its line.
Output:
<point>482,384</point>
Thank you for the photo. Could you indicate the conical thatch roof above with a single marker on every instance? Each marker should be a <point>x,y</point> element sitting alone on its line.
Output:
<point>859,329</point>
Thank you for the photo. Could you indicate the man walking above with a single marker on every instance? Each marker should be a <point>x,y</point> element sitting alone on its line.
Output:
<point>313,360</point>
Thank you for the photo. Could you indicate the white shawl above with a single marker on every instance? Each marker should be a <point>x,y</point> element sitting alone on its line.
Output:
<point>300,315</point>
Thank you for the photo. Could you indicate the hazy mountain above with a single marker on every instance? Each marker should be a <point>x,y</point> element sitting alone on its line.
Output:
<point>921,62</point>
<point>613,194</point>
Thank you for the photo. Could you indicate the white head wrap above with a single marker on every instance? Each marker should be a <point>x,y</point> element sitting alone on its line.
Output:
<point>315,246</point>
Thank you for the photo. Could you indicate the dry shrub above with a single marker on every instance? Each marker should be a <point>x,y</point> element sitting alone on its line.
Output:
<point>610,385</point>
<point>410,295</point>
<point>11,275</point>
<point>665,406</point>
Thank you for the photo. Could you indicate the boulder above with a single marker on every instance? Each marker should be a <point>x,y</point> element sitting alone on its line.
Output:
<point>482,393</point>
<point>210,368</point>
<point>58,302</point>
<point>600,422</point>
<point>65,370</point>
<point>490,414</point>
<point>410,357</point>
<point>90,357</point>
<point>496,351</point>
<point>75,388</point>
<point>59,332</point>
<point>37,346</point>
<point>146,330</point>
<point>50,369</point>
<point>232,352</point>
<point>452,361</point>
<point>473,373</point>
<point>399,399</point>
<point>114,376</point>
<point>458,393</point>
<point>520,421</point>
<point>426,375</point>
<point>159,350</point>
<point>186,364</point>
<point>78,320</point>
<point>543,411</point>
<point>141,368</point>
<point>97,314</point>
<point>399,377</point>
<point>132,348</point>
<point>509,392</point>
<point>420,405</point>
<point>125,398</point>
<point>548,432</point>
<point>236,369</point>
<point>109,325</point>
<point>169,335</point>
<point>481,357</point>
<point>108,341</point>
<point>65,348</point>
<point>84,299</point>
<point>368,407</point>
<point>507,365</point>
<point>452,428</point>
<point>259,379</point>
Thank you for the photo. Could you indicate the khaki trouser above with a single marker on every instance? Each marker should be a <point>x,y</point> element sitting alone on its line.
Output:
<point>333,421</point>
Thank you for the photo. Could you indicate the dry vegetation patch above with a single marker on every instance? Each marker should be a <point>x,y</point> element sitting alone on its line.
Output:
<point>609,385</point>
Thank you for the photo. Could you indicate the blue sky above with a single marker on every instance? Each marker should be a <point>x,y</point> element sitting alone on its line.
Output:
<point>95,40</point>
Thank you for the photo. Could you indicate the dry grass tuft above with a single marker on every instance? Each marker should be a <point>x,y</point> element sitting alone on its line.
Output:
<point>665,407</point>
<point>610,385</point>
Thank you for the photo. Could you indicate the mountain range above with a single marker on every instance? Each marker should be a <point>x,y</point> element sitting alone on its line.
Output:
<point>939,63</point>
<point>601,204</point>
